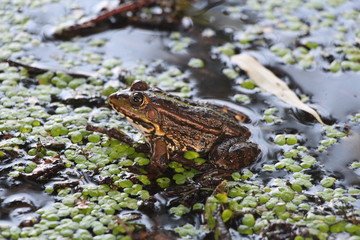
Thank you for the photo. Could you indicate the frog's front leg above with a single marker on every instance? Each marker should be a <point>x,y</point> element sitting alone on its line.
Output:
<point>159,157</point>
<point>233,153</point>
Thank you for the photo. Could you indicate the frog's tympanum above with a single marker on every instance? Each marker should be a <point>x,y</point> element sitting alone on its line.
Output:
<point>174,125</point>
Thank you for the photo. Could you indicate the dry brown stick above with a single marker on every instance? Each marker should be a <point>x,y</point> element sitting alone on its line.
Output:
<point>130,6</point>
<point>114,133</point>
<point>33,70</point>
<point>121,9</point>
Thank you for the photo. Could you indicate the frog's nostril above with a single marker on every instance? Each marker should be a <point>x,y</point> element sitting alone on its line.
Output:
<point>112,97</point>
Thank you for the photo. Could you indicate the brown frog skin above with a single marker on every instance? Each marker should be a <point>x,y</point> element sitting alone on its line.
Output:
<point>173,125</point>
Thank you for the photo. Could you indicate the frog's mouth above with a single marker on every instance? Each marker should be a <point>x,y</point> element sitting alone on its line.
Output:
<point>147,127</point>
<point>144,126</point>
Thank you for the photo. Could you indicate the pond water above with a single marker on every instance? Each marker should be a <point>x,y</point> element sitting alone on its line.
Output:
<point>312,46</point>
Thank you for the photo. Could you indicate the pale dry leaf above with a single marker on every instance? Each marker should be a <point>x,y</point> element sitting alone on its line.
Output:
<point>265,79</point>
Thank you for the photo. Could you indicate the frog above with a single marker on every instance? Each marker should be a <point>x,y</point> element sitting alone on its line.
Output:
<point>173,125</point>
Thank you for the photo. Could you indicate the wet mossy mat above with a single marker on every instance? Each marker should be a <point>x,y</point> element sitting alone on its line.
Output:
<point>60,180</point>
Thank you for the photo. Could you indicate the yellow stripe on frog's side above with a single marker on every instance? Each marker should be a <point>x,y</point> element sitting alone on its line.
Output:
<point>157,128</point>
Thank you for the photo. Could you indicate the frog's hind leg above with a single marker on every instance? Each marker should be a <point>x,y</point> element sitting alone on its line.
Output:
<point>234,153</point>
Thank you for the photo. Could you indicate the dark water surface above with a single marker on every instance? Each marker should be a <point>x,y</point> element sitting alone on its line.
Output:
<point>336,96</point>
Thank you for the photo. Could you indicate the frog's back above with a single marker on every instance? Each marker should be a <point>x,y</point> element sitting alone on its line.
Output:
<point>199,118</point>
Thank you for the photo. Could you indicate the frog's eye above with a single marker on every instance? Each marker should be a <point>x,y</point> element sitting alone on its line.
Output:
<point>137,99</point>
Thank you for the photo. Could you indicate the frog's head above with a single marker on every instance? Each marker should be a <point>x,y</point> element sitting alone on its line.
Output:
<point>135,105</point>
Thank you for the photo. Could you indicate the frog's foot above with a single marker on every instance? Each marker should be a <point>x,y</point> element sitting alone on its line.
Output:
<point>188,194</point>
<point>234,154</point>
<point>213,177</point>
<point>197,189</point>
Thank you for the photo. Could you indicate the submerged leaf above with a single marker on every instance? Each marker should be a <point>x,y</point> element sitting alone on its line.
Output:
<point>269,82</point>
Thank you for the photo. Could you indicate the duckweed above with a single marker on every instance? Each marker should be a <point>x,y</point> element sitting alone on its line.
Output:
<point>280,139</point>
<point>198,206</point>
<point>199,161</point>
<point>187,230</point>
<point>230,73</point>
<point>328,182</point>
<point>226,215</point>
<point>248,84</point>
<point>243,229</point>
<point>248,220</point>
<point>227,49</point>
<point>242,98</point>
<point>179,178</point>
<point>269,167</point>
<point>38,121</point>
<point>179,44</point>
<point>142,161</point>
<point>236,176</point>
<point>94,138</point>
<point>76,136</point>
<point>270,118</point>
<point>196,63</point>
<point>179,210</point>
<point>191,155</point>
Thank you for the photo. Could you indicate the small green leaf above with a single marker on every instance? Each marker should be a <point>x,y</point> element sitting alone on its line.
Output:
<point>248,220</point>
<point>327,182</point>
<point>226,215</point>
